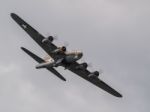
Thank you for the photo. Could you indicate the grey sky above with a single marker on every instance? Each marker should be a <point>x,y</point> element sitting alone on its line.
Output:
<point>113,34</point>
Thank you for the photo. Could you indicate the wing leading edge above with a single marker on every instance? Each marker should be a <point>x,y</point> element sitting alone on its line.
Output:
<point>39,60</point>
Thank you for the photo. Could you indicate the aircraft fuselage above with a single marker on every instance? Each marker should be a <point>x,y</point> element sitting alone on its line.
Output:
<point>69,58</point>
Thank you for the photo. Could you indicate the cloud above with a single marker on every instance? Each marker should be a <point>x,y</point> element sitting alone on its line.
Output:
<point>5,69</point>
<point>112,34</point>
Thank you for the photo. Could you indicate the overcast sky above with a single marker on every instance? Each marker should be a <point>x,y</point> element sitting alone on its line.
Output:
<point>114,36</point>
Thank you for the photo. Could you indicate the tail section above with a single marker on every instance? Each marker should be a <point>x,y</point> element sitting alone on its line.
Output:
<point>40,60</point>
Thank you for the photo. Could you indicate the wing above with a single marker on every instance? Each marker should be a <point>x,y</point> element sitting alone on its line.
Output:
<point>96,81</point>
<point>35,35</point>
<point>39,60</point>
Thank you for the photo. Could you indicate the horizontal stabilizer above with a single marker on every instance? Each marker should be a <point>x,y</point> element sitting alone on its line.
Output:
<point>40,60</point>
<point>35,57</point>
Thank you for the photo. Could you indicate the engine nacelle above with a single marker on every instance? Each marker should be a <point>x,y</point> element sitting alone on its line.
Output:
<point>48,39</point>
<point>94,74</point>
<point>59,50</point>
<point>63,49</point>
<point>82,66</point>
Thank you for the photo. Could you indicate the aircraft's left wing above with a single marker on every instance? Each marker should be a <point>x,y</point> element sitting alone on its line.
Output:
<point>35,35</point>
<point>96,81</point>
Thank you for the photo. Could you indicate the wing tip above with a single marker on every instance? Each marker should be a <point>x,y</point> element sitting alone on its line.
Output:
<point>13,15</point>
<point>64,79</point>
<point>119,96</point>
<point>24,49</point>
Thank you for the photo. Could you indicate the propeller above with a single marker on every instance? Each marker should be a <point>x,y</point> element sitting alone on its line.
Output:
<point>55,37</point>
<point>89,65</point>
<point>100,71</point>
<point>66,44</point>
<point>64,47</point>
<point>96,73</point>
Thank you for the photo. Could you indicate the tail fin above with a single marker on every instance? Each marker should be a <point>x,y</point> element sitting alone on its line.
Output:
<point>40,60</point>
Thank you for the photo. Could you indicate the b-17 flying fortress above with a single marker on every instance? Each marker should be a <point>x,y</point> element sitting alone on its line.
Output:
<point>59,56</point>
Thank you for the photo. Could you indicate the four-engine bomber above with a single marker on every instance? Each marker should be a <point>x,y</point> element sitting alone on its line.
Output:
<point>59,56</point>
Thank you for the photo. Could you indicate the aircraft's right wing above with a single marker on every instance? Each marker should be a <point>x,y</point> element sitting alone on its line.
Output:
<point>95,80</point>
<point>40,60</point>
<point>36,36</point>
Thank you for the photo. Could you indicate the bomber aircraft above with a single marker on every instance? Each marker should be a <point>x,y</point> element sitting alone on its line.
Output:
<point>59,56</point>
